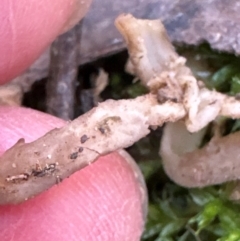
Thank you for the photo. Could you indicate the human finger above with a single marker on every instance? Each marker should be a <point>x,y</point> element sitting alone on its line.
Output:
<point>28,27</point>
<point>104,201</point>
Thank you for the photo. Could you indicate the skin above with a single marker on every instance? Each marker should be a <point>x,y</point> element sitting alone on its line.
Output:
<point>104,201</point>
<point>28,27</point>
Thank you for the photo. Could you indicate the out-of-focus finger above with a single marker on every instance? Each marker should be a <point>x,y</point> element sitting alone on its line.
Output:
<point>28,27</point>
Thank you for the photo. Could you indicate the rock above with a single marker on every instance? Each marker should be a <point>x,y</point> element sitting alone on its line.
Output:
<point>187,22</point>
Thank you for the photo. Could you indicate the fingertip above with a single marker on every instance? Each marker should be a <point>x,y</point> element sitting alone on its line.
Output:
<point>28,27</point>
<point>100,202</point>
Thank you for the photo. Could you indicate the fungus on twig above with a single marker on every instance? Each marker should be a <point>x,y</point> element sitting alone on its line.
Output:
<point>30,168</point>
<point>159,68</point>
<point>155,62</point>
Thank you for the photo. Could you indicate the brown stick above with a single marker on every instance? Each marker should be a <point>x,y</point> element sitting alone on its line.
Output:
<point>28,169</point>
<point>63,72</point>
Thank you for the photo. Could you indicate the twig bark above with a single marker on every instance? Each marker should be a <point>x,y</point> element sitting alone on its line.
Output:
<point>30,168</point>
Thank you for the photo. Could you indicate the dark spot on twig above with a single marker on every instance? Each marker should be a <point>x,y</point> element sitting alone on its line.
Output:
<point>101,129</point>
<point>74,155</point>
<point>41,172</point>
<point>84,138</point>
<point>213,102</point>
<point>104,125</point>
<point>80,149</point>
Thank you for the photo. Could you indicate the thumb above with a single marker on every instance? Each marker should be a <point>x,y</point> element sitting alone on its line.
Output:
<point>28,27</point>
<point>104,201</point>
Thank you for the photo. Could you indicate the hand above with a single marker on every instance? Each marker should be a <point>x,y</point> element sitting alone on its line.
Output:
<point>104,201</point>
